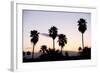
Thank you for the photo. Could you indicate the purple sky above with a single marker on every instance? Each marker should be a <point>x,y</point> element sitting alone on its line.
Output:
<point>66,22</point>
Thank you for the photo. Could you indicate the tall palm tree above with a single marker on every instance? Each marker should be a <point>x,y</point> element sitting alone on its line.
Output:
<point>34,39</point>
<point>62,40</point>
<point>82,27</point>
<point>53,34</point>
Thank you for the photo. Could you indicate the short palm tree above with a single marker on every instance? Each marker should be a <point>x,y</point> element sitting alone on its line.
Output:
<point>82,27</point>
<point>43,49</point>
<point>80,49</point>
<point>53,34</point>
<point>62,40</point>
<point>34,39</point>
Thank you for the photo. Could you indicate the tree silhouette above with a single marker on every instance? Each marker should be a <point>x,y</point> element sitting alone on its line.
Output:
<point>51,54</point>
<point>23,53</point>
<point>82,27</point>
<point>86,53</point>
<point>53,33</point>
<point>34,39</point>
<point>80,49</point>
<point>43,49</point>
<point>28,53</point>
<point>62,40</point>
<point>52,51</point>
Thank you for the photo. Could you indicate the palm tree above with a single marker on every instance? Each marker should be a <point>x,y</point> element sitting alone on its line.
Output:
<point>34,39</point>
<point>24,53</point>
<point>82,27</point>
<point>80,49</point>
<point>53,34</point>
<point>28,53</point>
<point>62,40</point>
<point>43,49</point>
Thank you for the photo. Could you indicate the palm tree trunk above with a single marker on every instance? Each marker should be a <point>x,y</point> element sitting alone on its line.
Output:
<point>82,41</point>
<point>53,44</point>
<point>33,52</point>
<point>61,49</point>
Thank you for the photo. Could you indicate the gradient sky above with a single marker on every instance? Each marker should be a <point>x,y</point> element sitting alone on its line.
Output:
<point>66,22</point>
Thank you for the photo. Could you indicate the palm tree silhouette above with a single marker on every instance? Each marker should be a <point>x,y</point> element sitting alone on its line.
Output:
<point>80,49</point>
<point>62,40</point>
<point>28,53</point>
<point>34,39</point>
<point>82,27</point>
<point>53,33</point>
<point>43,49</point>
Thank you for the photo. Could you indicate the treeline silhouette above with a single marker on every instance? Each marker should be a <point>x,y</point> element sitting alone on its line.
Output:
<point>51,54</point>
<point>56,55</point>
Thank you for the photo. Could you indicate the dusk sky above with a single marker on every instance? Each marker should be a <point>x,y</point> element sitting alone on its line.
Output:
<point>66,22</point>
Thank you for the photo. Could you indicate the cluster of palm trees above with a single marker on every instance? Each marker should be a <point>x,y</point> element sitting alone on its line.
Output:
<point>53,33</point>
